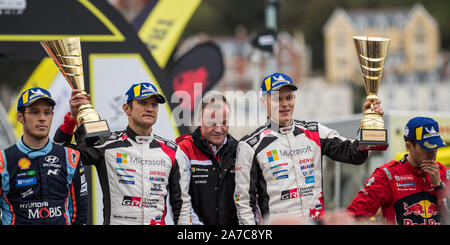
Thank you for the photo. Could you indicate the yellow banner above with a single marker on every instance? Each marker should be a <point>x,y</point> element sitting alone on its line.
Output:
<point>164,26</point>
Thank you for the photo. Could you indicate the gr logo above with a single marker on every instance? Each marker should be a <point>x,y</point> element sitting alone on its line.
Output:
<point>131,201</point>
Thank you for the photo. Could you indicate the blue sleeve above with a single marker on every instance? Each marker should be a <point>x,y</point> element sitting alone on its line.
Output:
<point>79,191</point>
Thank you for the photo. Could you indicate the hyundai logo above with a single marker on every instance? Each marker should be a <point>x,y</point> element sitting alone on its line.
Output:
<point>51,159</point>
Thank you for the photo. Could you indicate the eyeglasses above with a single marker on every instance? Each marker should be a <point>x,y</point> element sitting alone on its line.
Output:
<point>37,112</point>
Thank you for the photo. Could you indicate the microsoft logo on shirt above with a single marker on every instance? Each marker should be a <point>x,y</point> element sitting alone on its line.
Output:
<point>121,158</point>
<point>272,155</point>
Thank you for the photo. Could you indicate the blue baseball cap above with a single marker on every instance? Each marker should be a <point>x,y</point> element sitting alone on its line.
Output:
<point>425,131</point>
<point>142,91</point>
<point>275,82</point>
<point>31,95</point>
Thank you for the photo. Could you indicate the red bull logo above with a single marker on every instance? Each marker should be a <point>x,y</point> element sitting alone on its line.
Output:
<point>424,208</point>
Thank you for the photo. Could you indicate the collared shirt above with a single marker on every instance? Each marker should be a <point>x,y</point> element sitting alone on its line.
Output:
<point>216,149</point>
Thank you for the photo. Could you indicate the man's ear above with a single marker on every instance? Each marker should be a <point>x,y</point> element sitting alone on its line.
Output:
<point>409,146</point>
<point>126,108</point>
<point>20,117</point>
<point>263,101</point>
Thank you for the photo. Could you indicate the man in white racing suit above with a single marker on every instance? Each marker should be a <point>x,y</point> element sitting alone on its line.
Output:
<point>137,168</point>
<point>279,165</point>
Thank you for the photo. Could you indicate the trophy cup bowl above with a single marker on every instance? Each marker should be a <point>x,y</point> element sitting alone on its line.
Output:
<point>372,53</point>
<point>66,53</point>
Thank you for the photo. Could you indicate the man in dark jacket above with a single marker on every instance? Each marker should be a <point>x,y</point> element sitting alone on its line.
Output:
<point>210,154</point>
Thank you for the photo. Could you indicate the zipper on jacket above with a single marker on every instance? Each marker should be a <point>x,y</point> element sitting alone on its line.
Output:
<point>297,179</point>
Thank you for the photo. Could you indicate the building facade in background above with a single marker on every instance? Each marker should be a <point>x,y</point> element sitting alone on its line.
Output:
<point>414,34</point>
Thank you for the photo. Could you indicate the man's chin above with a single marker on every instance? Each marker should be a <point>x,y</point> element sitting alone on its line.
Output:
<point>40,135</point>
<point>217,141</point>
<point>284,122</point>
<point>147,123</point>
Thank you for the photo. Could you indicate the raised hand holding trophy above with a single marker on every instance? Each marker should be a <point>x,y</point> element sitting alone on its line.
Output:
<point>66,53</point>
<point>372,52</point>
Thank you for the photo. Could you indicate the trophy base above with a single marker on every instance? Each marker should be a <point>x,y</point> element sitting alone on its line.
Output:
<point>373,139</point>
<point>89,133</point>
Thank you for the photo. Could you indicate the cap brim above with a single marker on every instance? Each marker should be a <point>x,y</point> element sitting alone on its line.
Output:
<point>281,86</point>
<point>431,143</point>
<point>161,99</point>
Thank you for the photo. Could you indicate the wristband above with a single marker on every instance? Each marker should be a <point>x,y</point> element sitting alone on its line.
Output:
<point>69,124</point>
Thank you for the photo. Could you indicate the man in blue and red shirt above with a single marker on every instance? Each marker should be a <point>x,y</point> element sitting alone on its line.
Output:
<point>41,183</point>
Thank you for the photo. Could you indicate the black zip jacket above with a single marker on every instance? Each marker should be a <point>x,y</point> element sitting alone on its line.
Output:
<point>212,180</point>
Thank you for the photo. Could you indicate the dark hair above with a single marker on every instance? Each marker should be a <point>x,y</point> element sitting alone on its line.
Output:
<point>21,110</point>
<point>130,104</point>
<point>412,141</point>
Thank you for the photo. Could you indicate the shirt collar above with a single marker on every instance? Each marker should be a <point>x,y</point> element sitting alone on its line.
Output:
<point>409,167</point>
<point>282,130</point>
<point>139,138</point>
<point>217,149</point>
<point>34,153</point>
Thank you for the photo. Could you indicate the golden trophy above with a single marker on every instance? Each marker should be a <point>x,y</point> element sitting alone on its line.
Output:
<point>66,53</point>
<point>372,52</point>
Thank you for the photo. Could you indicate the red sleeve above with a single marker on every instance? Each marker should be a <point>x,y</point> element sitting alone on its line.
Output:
<point>375,194</point>
<point>69,124</point>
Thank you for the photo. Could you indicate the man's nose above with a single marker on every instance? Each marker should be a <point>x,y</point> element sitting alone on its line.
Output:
<point>283,103</point>
<point>149,108</point>
<point>219,128</point>
<point>42,116</point>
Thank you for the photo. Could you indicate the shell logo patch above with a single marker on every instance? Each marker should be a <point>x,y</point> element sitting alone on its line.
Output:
<point>24,163</point>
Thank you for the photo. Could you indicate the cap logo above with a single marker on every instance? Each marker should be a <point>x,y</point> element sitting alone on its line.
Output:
<point>280,78</point>
<point>25,97</point>
<point>148,89</point>
<point>268,84</point>
<point>279,81</point>
<point>137,90</point>
<point>419,133</point>
<point>431,131</point>
<point>36,93</point>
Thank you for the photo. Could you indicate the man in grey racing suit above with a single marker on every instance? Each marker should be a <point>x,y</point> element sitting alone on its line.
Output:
<point>279,165</point>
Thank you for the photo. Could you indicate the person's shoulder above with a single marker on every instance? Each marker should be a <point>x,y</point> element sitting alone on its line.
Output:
<point>10,149</point>
<point>114,138</point>
<point>184,140</point>
<point>389,168</point>
<point>310,125</point>
<point>232,141</point>
<point>255,137</point>
<point>166,142</point>
<point>391,165</point>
